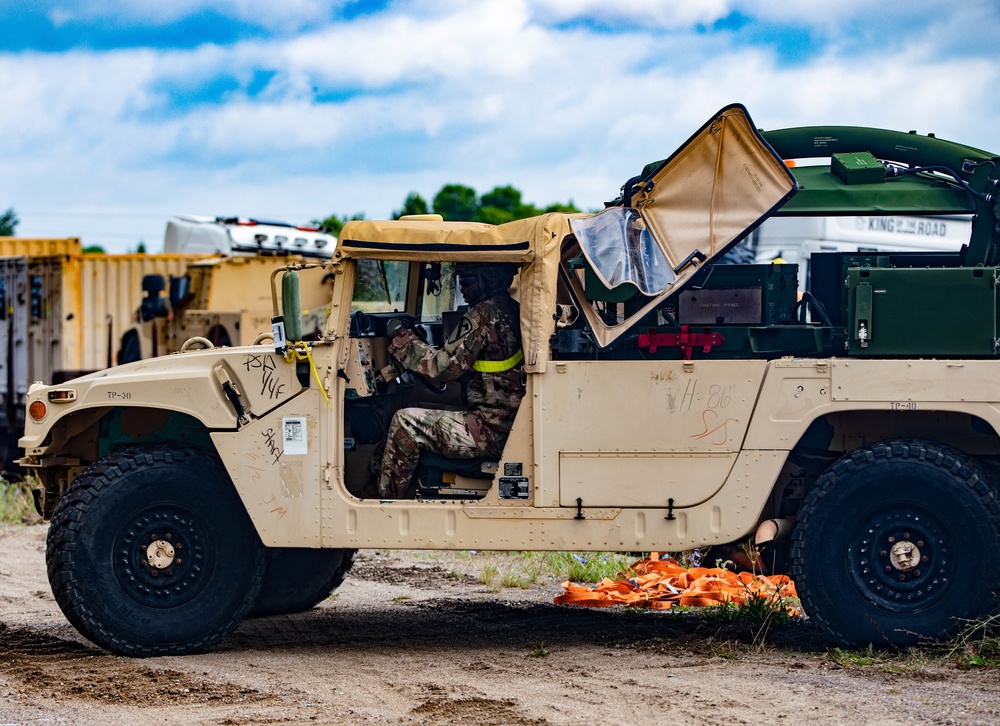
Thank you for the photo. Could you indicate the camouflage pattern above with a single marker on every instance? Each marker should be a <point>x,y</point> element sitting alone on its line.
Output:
<point>490,330</point>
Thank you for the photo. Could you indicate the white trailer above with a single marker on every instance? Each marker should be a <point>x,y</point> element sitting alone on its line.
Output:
<point>795,239</point>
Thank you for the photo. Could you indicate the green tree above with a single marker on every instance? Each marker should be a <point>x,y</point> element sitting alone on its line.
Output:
<point>503,204</point>
<point>8,223</point>
<point>141,249</point>
<point>413,204</point>
<point>568,208</point>
<point>457,203</point>
<point>93,250</point>
<point>505,198</point>
<point>333,224</point>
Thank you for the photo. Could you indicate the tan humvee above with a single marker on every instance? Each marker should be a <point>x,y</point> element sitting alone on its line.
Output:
<point>665,410</point>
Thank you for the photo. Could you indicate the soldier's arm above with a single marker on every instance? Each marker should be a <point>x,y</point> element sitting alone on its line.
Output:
<point>446,364</point>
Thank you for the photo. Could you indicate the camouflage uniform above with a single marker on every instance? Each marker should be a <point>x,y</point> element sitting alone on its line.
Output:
<point>489,331</point>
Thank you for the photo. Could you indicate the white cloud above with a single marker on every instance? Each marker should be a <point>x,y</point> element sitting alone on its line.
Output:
<point>284,14</point>
<point>649,13</point>
<point>476,93</point>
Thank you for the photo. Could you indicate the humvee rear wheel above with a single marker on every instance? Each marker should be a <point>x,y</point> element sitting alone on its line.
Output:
<point>151,552</point>
<point>898,542</point>
<point>298,578</point>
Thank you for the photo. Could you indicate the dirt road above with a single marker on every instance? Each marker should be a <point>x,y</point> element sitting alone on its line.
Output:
<point>415,638</point>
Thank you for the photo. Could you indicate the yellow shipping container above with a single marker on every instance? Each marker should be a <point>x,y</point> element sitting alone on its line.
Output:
<point>101,294</point>
<point>38,247</point>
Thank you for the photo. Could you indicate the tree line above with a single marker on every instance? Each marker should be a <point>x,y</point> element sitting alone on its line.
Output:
<point>460,203</point>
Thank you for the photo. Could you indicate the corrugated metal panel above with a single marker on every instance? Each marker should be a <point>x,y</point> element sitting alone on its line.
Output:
<point>78,306</point>
<point>13,329</point>
<point>13,352</point>
<point>44,312</point>
<point>108,294</point>
<point>38,247</point>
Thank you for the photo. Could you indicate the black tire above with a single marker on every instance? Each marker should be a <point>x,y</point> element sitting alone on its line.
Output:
<point>146,502</point>
<point>298,578</point>
<point>849,549</point>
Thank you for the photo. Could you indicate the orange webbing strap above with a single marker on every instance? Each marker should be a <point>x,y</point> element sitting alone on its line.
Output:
<point>661,584</point>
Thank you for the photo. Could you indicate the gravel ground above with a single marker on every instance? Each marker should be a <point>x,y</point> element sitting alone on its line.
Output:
<point>415,638</point>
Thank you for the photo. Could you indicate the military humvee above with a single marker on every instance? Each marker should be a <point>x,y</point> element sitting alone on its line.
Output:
<point>671,403</point>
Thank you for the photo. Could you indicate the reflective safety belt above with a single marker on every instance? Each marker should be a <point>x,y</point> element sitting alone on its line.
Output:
<point>499,366</point>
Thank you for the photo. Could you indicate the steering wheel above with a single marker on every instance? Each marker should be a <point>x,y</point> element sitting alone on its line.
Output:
<point>419,330</point>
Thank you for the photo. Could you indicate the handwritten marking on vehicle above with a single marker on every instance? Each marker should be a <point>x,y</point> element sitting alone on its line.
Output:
<point>708,418</point>
<point>270,385</point>
<point>271,442</point>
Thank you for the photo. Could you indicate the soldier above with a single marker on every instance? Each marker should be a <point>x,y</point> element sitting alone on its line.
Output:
<point>487,342</point>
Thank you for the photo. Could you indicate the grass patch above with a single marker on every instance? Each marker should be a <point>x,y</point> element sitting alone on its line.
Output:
<point>489,574</point>
<point>16,502</point>
<point>524,570</point>
<point>977,644</point>
<point>847,658</point>
<point>754,619</point>
<point>538,650</point>
<point>583,567</point>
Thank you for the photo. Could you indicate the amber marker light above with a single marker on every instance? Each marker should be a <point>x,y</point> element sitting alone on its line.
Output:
<point>37,410</point>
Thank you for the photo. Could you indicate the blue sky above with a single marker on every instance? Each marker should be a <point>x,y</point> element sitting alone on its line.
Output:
<point>117,115</point>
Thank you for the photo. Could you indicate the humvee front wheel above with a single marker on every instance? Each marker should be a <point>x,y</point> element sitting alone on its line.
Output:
<point>151,552</point>
<point>898,542</point>
<point>297,578</point>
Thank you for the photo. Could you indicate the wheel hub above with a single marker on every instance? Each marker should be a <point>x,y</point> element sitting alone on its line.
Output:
<point>162,556</point>
<point>904,556</point>
<point>899,558</point>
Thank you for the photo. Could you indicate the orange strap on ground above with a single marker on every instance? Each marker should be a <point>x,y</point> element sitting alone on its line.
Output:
<point>661,584</point>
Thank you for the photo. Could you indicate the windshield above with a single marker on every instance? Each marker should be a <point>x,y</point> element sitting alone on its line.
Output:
<point>380,286</point>
<point>621,250</point>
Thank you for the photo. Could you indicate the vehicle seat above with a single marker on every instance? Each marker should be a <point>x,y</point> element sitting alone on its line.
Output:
<point>436,476</point>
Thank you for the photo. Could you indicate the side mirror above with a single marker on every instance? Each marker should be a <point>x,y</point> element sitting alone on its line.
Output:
<point>152,306</point>
<point>180,290</point>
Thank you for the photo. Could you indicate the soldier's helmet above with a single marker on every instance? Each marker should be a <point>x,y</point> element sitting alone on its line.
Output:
<point>493,277</point>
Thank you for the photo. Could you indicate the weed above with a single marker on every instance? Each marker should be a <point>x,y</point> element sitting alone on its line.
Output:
<point>752,620</point>
<point>977,643</point>
<point>725,649</point>
<point>15,502</point>
<point>401,598</point>
<point>583,567</point>
<point>846,658</point>
<point>523,574</point>
<point>489,574</point>
<point>512,578</point>
<point>538,650</point>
